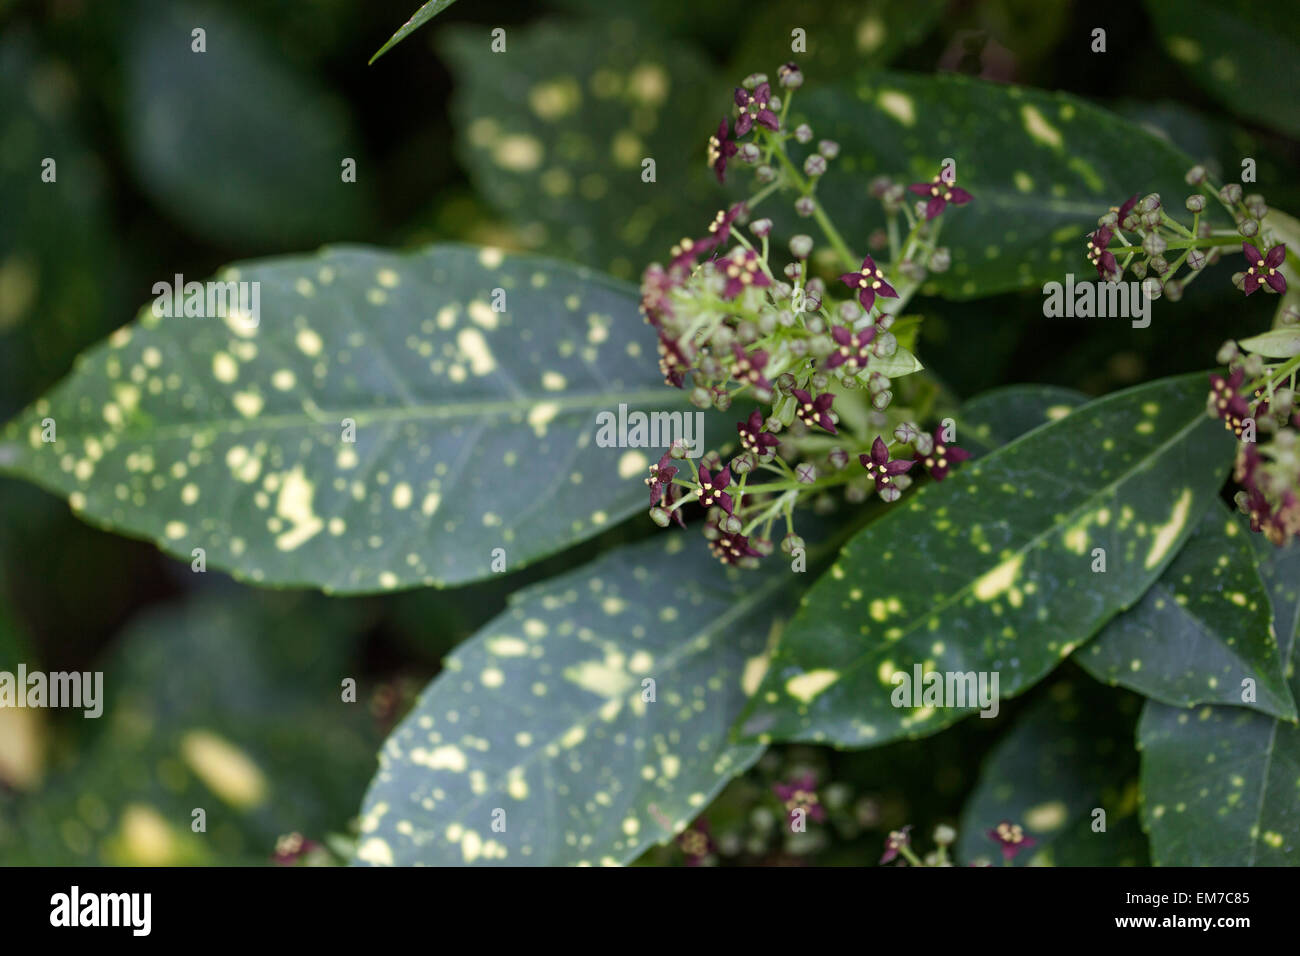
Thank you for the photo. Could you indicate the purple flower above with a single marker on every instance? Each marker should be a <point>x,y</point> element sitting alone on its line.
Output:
<point>662,490</point>
<point>753,107</point>
<point>1012,839</point>
<point>749,367</point>
<point>880,468</point>
<point>941,190</point>
<point>942,458</point>
<point>711,486</point>
<point>688,250</point>
<point>696,842</point>
<point>731,548</point>
<point>814,412</point>
<point>291,848</point>
<point>674,362</point>
<point>721,148</point>
<point>851,347</point>
<point>801,794</point>
<point>1228,402</point>
<point>1264,268</point>
<point>753,438</point>
<point>870,282</point>
<point>742,271</point>
<point>896,841</point>
<point>1125,209</point>
<point>1099,256</point>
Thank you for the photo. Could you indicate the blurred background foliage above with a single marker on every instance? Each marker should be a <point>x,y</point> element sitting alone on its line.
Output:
<point>227,698</point>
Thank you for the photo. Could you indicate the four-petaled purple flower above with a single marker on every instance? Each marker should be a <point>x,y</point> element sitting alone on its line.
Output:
<point>879,466</point>
<point>749,367</point>
<point>941,190</point>
<point>742,271</point>
<point>1099,255</point>
<point>711,489</point>
<point>753,438</point>
<point>853,348</point>
<point>801,794</point>
<point>942,458</point>
<point>1229,404</point>
<point>1012,838</point>
<point>662,490</point>
<point>753,107</point>
<point>731,547</point>
<point>870,282</point>
<point>1263,268</point>
<point>814,412</point>
<point>721,148</point>
<point>896,841</point>
<point>696,842</point>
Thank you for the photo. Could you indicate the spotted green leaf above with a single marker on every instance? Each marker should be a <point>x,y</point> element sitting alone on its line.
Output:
<point>991,571</point>
<point>996,417</point>
<point>1042,167</point>
<point>421,16</point>
<point>544,715</point>
<point>1220,785</point>
<point>1200,631</point>
<point>1068,754</point>
<point>556,133</point>
<point>1243,62</point>
<point>231,702</point>
<point>208,137</point>
<point>1279,343</point>
<point>474,429</point>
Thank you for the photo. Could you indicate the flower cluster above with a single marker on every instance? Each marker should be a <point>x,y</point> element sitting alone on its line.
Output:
<point>1256,401</point>
<point>807,340</point>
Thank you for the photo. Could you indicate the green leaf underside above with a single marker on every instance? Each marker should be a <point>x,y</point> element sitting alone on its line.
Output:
<point>1221,785</point>
<point>421,16</point>
<point>207,136</point>
<point>541,714</point>
<point>1066,755</point>
<point>554,134</point>
<point>229,702</point>
<point>1279,343</point>
<point>990,571</point>
<point>1243,63</point>
<point>1001,415</point>
<point>1202,628</point>
<point>1042,168</point>
<point>475,429</point>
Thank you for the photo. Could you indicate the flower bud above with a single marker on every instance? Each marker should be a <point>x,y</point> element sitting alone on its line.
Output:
<point>1195,176</point>
<point>877,383</point>
<point>792,543</point>
<point>1196,260</point>
<point>828,148</point>
<point>1139,269</point>
<point>1159,265</point>
<point>785,382</point>
<point>805,206</point>
<point>1151,219</point>
<point>877,240</point>
<point>754,80</point>
<point>1231,193</point>
<point>763,546</point>
<point>890,493</point>
<point>850,311</point>
<point>878,186</point>
<point>814,165</point>
<point>885,322</point>
<point>1151,287</point>
<point>721,398</point>
<point>803,133</point>
<point>748,153</point>
<point>838,458</point>
<point>801,246</point>
<point>818,381</point>
<point>765,174</point>
<point>761,227</point>
<point>881,401</point>
<point>884,345</point>
<point>789,76</point>
<point>1290,315</point>
<point>731,524</point>
<point>793,270</point>
<point>1228,351</point>
<point>1239,279</point>
<point>924,443</point>
<point>940,259</point>
<point>906,432</point>
<point>1248,227</point>
<point>679,449</point>
<point>711,460</point>
<point>660,517</point>
<point>701,398</point>
<point>1110,218</point>
<point>945,835</point>
<point>902,482</point>
<point>1150,203</point>
<point>805,473</point>
<point>1195,203</point>
<point>1254,366</point>
<point>1173,290</point>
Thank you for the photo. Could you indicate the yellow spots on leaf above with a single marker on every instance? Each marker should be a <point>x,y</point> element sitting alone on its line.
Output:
<point>446,317</point>
<point>226,770</point>
<point>556,182</point>
<point>77,501</point>
<point>807,686</point>
<point>401,496</point>
<point>1167,533</point>
<point>574,736</point>
<point>1024,182</point>
<point>627,149</point>
<point>672,765</point>
<point>430,503</point>
<point>1144,428</point>
<point>1038,127</point>
<point>248,404</point>
<point>492,677</point>
<point>518,152</point>
<point>541,415</point>
<point>1273,839</point>
<point>241,322</point>
<point>871,33</point>
<point>388,278</point>
<point>607,678</point>
<point>631,464</point>
<point>376,851</point>
<point>282,380</point>
<point>524,739</point>
<point>294,505</point>
<point>491,519</point>
<point>1184,49</point>
<point>535,627</point>
<point>516,785</point>
<point>475,348</point>
<point>613,606</point>
<point>998,581</point>
<point>337,526</point>
<point>175,530</point>
<point>640,663</point>
<point>146,838</point>
<point>190,494</point>
<point>308,342</point>
<point>346,458</point>
<point>898,105</point>
<point>151,357</point>
<point>554,382</point>
<point>480,313</point>
<point>1046,817</point>
<point>1237,598</point>
<point>507,647</point>
<point>648,82</point>
<point>446,757</point>
<point>303,286</point>
<point>376,296</point>
<point>631,826</point>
